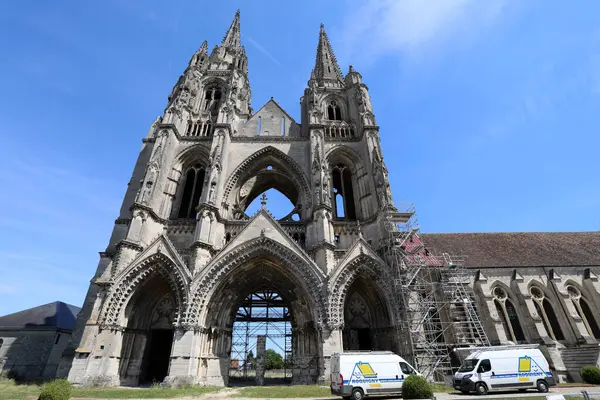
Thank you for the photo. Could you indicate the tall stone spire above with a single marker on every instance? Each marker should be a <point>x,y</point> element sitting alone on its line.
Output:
<point>232,37</point>
<point>326,66</point>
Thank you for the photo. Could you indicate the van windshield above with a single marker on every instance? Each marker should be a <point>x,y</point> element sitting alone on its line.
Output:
<point>468,365</point>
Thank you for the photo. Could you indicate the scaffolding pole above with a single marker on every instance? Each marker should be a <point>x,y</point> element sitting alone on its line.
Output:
<point>437,303</point>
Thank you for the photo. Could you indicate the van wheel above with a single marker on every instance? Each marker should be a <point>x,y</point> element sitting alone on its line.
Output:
<point>481,389</point>
<point>357,394</point>
<point>542,386</point>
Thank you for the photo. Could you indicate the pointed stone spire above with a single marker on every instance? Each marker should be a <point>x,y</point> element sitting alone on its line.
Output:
<point>203,48</point>
<point>326,66</point>
<point>232,37</point>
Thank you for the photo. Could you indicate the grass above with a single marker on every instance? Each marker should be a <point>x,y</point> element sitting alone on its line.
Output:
<point>11,391</point>
<point>285,392</point>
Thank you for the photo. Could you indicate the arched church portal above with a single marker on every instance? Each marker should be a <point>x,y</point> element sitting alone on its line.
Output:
<point>148,337</point>
<point>263,298</point>
<point>367,324</point>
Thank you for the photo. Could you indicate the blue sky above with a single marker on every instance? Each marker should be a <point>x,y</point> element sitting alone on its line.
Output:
<point>488,110</point>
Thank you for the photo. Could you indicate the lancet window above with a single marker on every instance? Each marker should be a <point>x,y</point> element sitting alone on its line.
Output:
<point>343,193</point>
<point>192,190</point>
<point>508,315</point>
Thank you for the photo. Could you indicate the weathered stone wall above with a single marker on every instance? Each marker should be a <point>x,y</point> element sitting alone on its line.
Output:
<point>32,355</point>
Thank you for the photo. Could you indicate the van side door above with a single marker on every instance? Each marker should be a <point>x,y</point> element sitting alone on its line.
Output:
<point>485,374</point>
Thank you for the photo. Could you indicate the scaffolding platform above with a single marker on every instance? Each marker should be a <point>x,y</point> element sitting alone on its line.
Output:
<point>437,303</point>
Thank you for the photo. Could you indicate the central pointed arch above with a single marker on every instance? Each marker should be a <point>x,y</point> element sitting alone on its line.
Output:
<point>259,265</point>
<point>274,168</point>
<point>310,278</point>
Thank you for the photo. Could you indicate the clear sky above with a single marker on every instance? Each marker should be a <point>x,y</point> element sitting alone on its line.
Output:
<point>489,111</point>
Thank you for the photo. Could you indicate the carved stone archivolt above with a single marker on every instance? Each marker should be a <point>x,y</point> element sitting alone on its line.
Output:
<point>308,275</point>
<point>132,278</point>
<point>343,279</point>
<point>246,168</point>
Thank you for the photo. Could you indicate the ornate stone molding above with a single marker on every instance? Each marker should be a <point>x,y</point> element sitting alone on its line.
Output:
<point>313,280</point>
<point>129,280</point>
<point>248,163</point>
<point>338,288</point>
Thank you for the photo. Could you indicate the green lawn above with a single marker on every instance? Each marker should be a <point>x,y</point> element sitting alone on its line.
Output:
<point>10,391</point>
<point>283,392</point>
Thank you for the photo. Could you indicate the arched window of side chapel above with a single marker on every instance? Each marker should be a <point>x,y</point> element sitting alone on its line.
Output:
<point>508,315</point>
<point>546,312</point>
<point>584,311</point>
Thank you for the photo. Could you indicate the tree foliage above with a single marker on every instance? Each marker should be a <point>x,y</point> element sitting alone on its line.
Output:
<point>273,360</point>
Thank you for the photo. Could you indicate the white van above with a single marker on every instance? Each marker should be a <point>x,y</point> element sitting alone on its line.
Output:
<point>504,369</point>
<point>355,374</point>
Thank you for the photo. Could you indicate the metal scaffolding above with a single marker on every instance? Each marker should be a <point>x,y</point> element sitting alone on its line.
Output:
<point>437,304</point>
<point>263,313</point>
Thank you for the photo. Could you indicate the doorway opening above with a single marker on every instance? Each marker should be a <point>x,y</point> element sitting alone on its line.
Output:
<point>262,313</point>
<point>158,353</point>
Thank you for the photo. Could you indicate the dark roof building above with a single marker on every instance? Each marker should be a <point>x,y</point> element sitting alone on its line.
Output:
<point>57,315</point>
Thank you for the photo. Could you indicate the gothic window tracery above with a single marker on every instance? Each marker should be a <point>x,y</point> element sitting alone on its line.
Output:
<point>334,112</point>
<point>192,190</point>
<point>212,99</point>
<point>343,193</point>
<point>546,312</point>
<point>508,315</point>
<point>584,311</point>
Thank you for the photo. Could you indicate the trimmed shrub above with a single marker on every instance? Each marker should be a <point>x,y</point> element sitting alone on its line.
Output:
<point>59,389</point>
<point>591,374</point>
<point>416,387</point>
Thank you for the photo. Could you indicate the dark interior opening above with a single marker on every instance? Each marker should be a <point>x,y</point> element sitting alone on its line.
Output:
<point>158,354</point>
<point>364,339</point>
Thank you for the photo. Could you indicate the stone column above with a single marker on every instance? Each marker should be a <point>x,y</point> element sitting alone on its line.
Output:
<point>261,349</point>
<point>331,342</point>
<point>180,367</point>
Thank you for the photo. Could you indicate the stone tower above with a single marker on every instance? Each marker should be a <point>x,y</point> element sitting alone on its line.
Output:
<point>184,254</point>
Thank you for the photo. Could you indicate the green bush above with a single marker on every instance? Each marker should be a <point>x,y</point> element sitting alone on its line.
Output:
<point>591,374</point>
<point>416,387</point>
<point>59,389</point>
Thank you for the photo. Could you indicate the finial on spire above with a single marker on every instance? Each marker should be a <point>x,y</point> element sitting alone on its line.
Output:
<point>360,235</point>
<point>203,48</point>
<point>326,66</point>
<point>263,201</point>
<point>232,37</point>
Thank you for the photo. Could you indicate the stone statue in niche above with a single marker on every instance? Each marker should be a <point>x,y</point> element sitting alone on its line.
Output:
<point>325,187</point>
<point>149,185</point>
<point>212,192</point>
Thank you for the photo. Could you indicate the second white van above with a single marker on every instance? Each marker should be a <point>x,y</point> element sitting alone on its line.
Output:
<point>356,374</point>
<point>504,369</point>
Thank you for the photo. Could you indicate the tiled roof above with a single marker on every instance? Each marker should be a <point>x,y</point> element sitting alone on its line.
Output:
<point>519,249</point>
<point>52,315</point>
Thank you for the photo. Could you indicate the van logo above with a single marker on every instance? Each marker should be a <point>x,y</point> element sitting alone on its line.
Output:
<point>365,370</point>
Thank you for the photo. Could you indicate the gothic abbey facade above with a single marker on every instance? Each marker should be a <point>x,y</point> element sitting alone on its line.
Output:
<point>184,253</point>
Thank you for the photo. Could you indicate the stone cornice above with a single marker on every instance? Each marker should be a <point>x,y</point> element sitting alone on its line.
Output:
<point>268,139</point>
<point>130,245</point>
<point>323,244</point>
<point>203,245</point>
<point>209,207</point>
<point>150,212</point>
